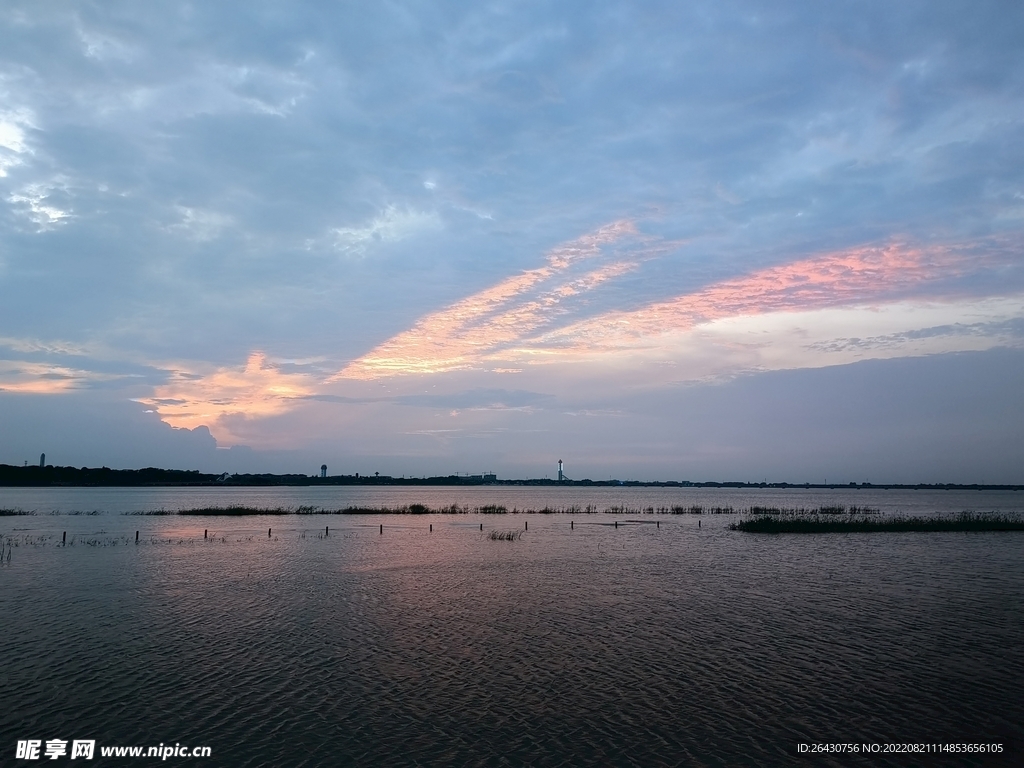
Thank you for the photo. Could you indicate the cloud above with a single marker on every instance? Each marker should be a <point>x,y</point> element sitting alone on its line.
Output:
<point>32,199</point>
<point>534,316</point>
<point>863,276</point>
<point>477,399</point>
<point>476,328</point>
<point>201,89</point>
<point>382,189</point>
<point>45,379</point>
<point>721,349</point>
<point>213,399</point>
<point>95,429</point>
<point>200,225</point>
<point>389,226</point>
<point>39,345</point>
<point>472,399</point>
<point>1004,332</point>
<point>14,145</point>
<point>105,47</point>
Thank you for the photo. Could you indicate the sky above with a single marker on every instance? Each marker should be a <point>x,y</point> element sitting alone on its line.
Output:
<point>718,240</point>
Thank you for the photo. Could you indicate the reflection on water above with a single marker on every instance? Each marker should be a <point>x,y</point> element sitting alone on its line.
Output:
<point>596,645</point>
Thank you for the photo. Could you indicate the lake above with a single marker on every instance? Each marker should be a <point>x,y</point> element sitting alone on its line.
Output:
<point>597,639</point>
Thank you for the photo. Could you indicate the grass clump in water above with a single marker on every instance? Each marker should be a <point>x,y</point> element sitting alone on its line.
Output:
<point>411,509</point>
<point>838,509</point>
<point>699,510</point>
<point>505,535</point>
<point>827,523</point>
<point>238,511</point>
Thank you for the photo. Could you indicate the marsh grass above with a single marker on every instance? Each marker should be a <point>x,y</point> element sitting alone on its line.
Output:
<point>831,523</point>
<point>699,510</point>
<point>239,511</point>
<point>625,510</point>
<point>55,512</point>
<point>411,509</point>
<point>505,535</point>
<point>838,509</point>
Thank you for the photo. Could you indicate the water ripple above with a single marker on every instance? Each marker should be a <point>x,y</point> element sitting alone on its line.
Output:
<point>599,646</point>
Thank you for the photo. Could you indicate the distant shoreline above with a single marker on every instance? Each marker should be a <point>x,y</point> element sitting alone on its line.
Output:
<point>85,477</point>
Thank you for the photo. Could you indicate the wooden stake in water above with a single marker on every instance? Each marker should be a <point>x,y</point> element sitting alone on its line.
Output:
<point>382,529</point>
<point>659,523</point>
<point>136,537</point>
<point>616,523</point>
<point>571,525</point>
<point>205,532</point>
<point>527,525</point>
<point>64,539</point>
<point>327,530</point>
<point>481,526</point>
<point>268,533</point>
<point>431,527</point>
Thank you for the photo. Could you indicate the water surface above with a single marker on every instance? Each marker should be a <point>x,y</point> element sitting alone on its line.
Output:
<point>640,644</point>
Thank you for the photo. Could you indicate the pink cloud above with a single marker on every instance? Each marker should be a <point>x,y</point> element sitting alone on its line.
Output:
<point>532,314</point>
<point>518,307</point>
<point>864,275</point>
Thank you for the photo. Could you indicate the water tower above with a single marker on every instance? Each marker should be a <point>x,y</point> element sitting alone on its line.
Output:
<point>323,470</point>
<point>561,477</point>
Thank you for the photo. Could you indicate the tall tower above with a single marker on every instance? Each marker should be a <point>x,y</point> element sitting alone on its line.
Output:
<point>323,470</point>
<point>42,460</point>
<point>561,477</point>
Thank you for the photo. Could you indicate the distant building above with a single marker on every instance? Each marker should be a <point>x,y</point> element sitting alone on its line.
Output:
<point>561,477</point>
<point>323,470</point>
<point>490,477</point>
<point>42,459</point>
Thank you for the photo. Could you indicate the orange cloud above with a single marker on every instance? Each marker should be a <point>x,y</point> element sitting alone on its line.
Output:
<point>44,379</point>
<point>535,316</point>
<point>258,390</point>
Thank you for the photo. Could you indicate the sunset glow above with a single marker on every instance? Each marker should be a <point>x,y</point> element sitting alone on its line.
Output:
<point>258,390</point>
<point>512,322</point>
<point>270,238</point>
